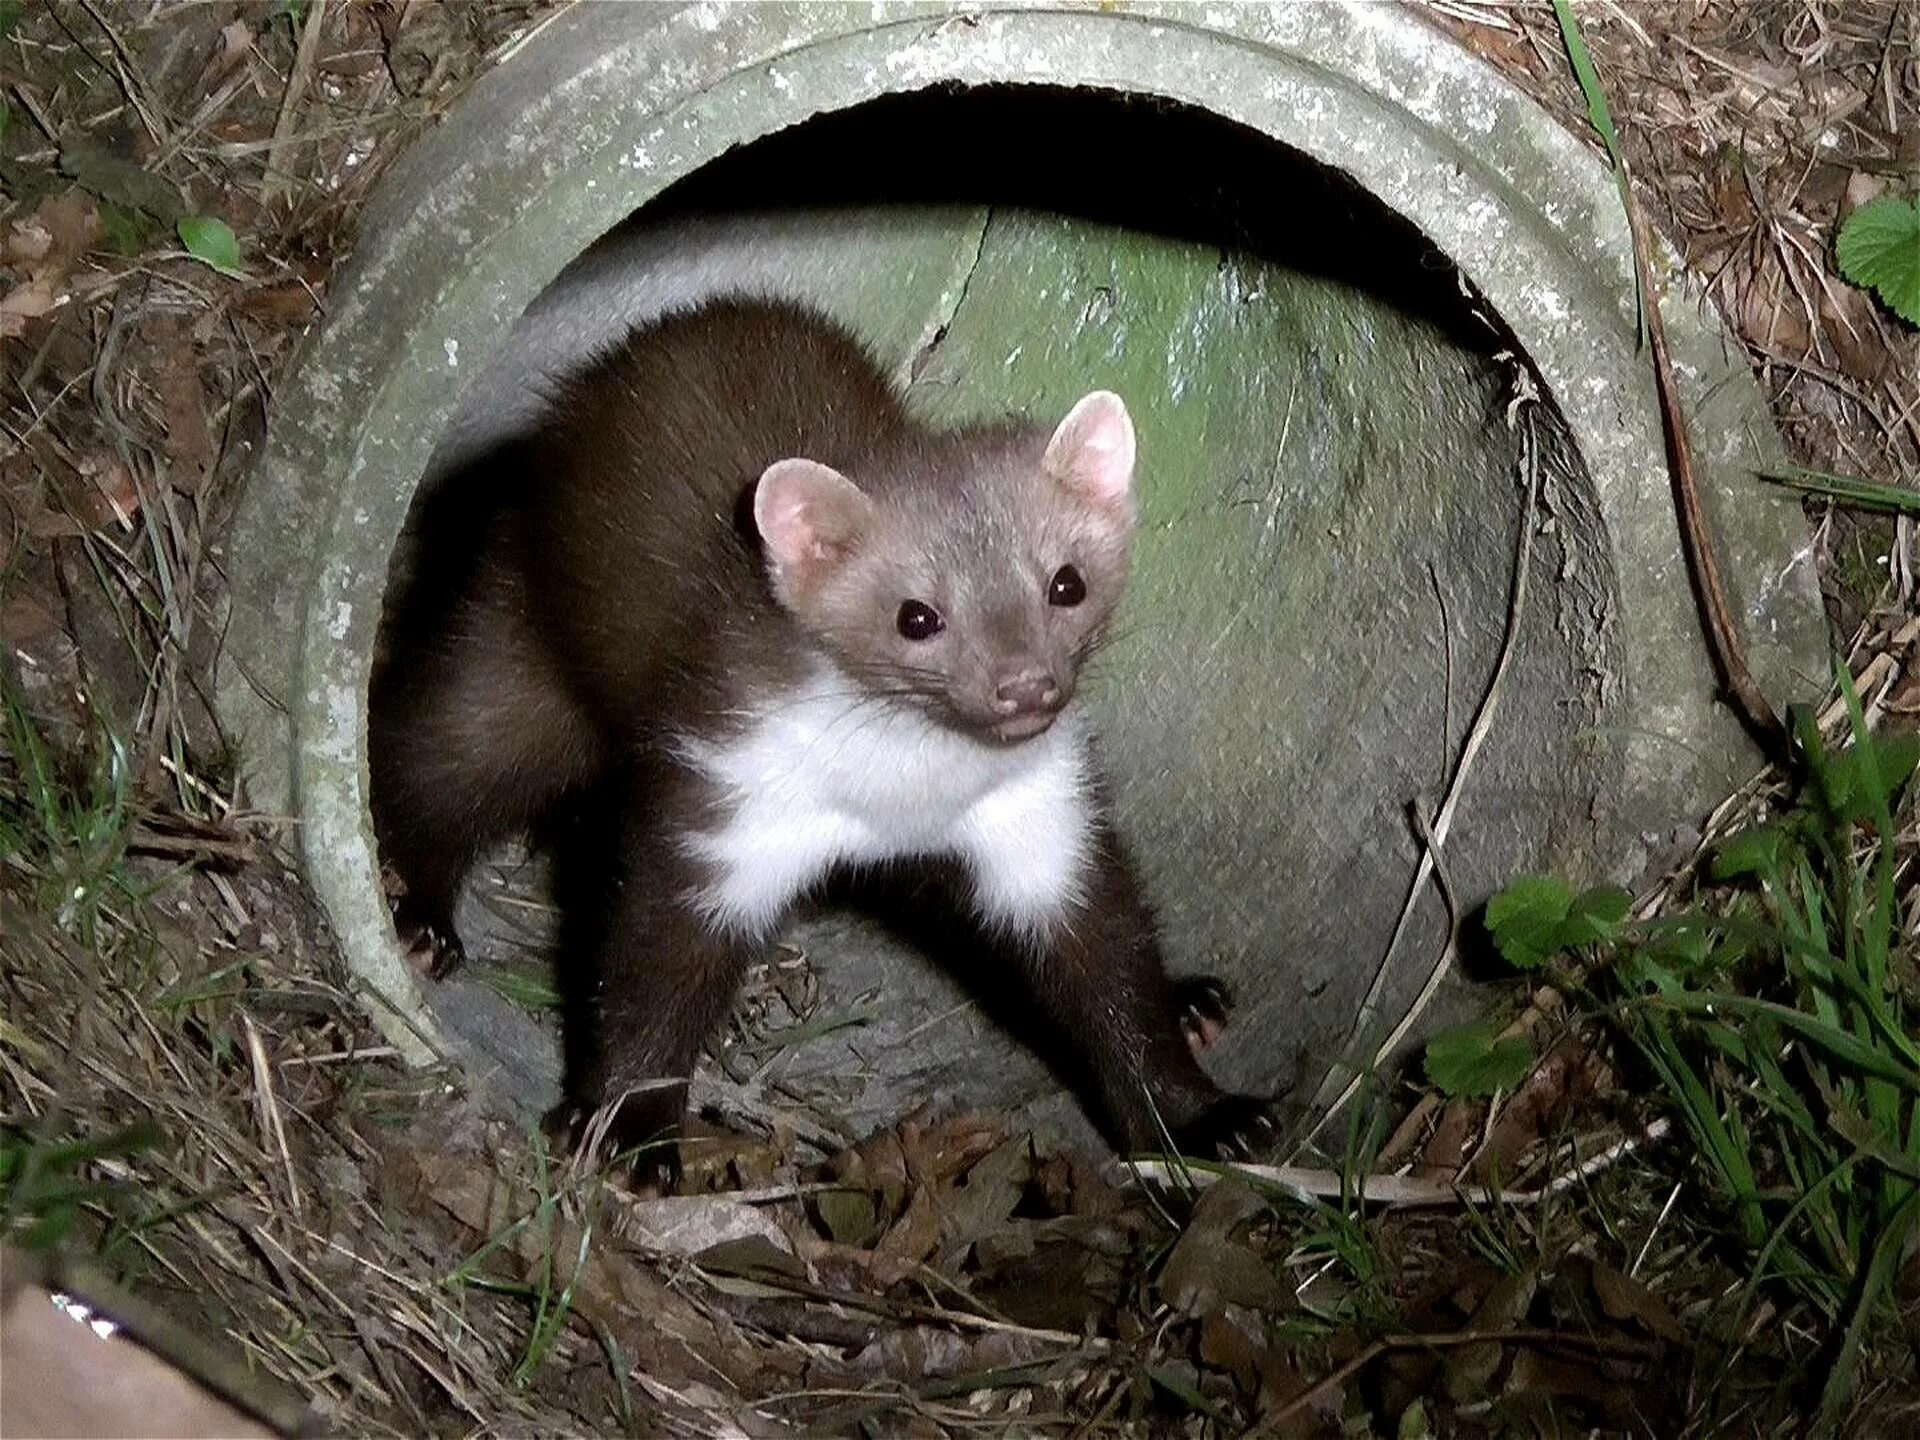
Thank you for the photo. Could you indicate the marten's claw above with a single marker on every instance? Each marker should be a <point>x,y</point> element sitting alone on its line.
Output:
<point>1204,1003</point>
<point>1237,1127</point>
<point>433,945</point>
<point>637,1134</point>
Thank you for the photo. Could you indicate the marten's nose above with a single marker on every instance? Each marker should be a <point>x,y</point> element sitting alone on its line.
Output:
<point>1027,690</point>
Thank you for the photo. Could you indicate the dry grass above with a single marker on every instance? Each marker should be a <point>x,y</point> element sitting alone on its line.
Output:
<point>186,1097</point>
<point>1754,129</point>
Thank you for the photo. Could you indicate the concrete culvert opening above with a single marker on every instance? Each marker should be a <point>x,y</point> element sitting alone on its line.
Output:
<point>1350,442</point>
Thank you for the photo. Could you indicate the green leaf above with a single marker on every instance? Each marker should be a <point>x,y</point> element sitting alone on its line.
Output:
<point>1600,116</point>
<point>1682,943</point>
<point>1859,783</point>
<point>1754,852</point>
<point>1595,917</point>
<point>849,1215</point>
<point>1525,919</point>
<point>1471,1061</point>
<point>1879,250</point>
<point>1896,757</point>
<point>1185,1391</point>
<point>11,12</point>
<point>50,1227</point>
<point>210,242</point>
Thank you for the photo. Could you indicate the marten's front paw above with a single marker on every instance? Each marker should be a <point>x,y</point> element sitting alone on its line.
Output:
<point>1204,1002</point>
<point>433,946</point>
<point>643,1136</point>
<point>1235,1127</point>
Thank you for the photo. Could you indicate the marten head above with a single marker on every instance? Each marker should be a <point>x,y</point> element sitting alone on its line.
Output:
<point>970,572</point>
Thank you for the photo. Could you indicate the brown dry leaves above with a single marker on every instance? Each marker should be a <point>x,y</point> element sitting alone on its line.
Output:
<point>1753,131</point>
<point>38,256</point>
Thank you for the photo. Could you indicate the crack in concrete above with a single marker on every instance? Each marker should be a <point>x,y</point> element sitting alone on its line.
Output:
<point>943,321</point>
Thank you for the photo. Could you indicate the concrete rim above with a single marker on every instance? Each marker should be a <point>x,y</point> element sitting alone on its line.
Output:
<point>609,104</point>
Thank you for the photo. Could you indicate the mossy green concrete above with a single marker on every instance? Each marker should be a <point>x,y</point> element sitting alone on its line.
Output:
<point>1341,470</point>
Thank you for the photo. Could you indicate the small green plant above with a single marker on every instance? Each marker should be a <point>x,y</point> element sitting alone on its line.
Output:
<point>211,241</point>
<point>1777,1016</point>
<point>1475,1061</point>
<point>1879,250</point>
<point>45,1184</point>
<point>540,1237</point>
<point>65,823</point>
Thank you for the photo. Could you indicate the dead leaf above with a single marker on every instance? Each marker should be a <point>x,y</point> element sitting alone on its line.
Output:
<point>1208,1267</point>
<point>1570,1072</point>
<point>1062,1274</point>
<point>41,522</point>
<point>111,497</point>
<point>1469,1370</point>
<point>753,1258</point>
<point>72,223</point>
<point>45,246</point>
<point>1228,1344</point>
<point>1624,1298</point>
<point>1446,1149</point>
<point>990,1192</point>
<point>908,1353</point>
<point>913,1237</point>
<point>28,242</point>
<point>1851,325</point>
<point>30,627</point>
<point>26,302</point>
<point>235,40</point>
<point>849,1215</point>
<point>286,302</point>
<point>1863,188</point>
<point>189,443</point>
<point>690,1224</point>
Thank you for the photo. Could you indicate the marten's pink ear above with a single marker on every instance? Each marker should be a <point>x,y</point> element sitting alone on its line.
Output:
<point>810,517</point>
<point>1093,450</point>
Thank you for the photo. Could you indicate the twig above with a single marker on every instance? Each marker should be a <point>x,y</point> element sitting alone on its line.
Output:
<point>1599,1344</point>
<point>1659,1220</point>
<point>913,1309</point>
<point>269,1109</point>
<point>1737,684</point>
<point>125,74</point>
<point>1443,821</point>
<point>147,841</point>
<point>298,78</point>
<point>1404,1191</point>
<point>1723,640</point>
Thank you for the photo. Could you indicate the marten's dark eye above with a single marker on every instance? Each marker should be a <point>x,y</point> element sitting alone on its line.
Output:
<point>1066,587</point>
<point>918,620</point>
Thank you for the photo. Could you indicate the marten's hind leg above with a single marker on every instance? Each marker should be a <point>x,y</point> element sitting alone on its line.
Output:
<point>472,739</point>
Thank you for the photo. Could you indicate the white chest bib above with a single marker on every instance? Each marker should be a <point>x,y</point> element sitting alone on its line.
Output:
<point>829,776</point>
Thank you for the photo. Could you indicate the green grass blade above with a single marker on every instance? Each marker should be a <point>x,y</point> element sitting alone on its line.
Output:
<point>1848,489</point>
<point>1831,1038</point>
<point>1600,116</point>
<point>1704,1116</point>
<point>1875,1278</point>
